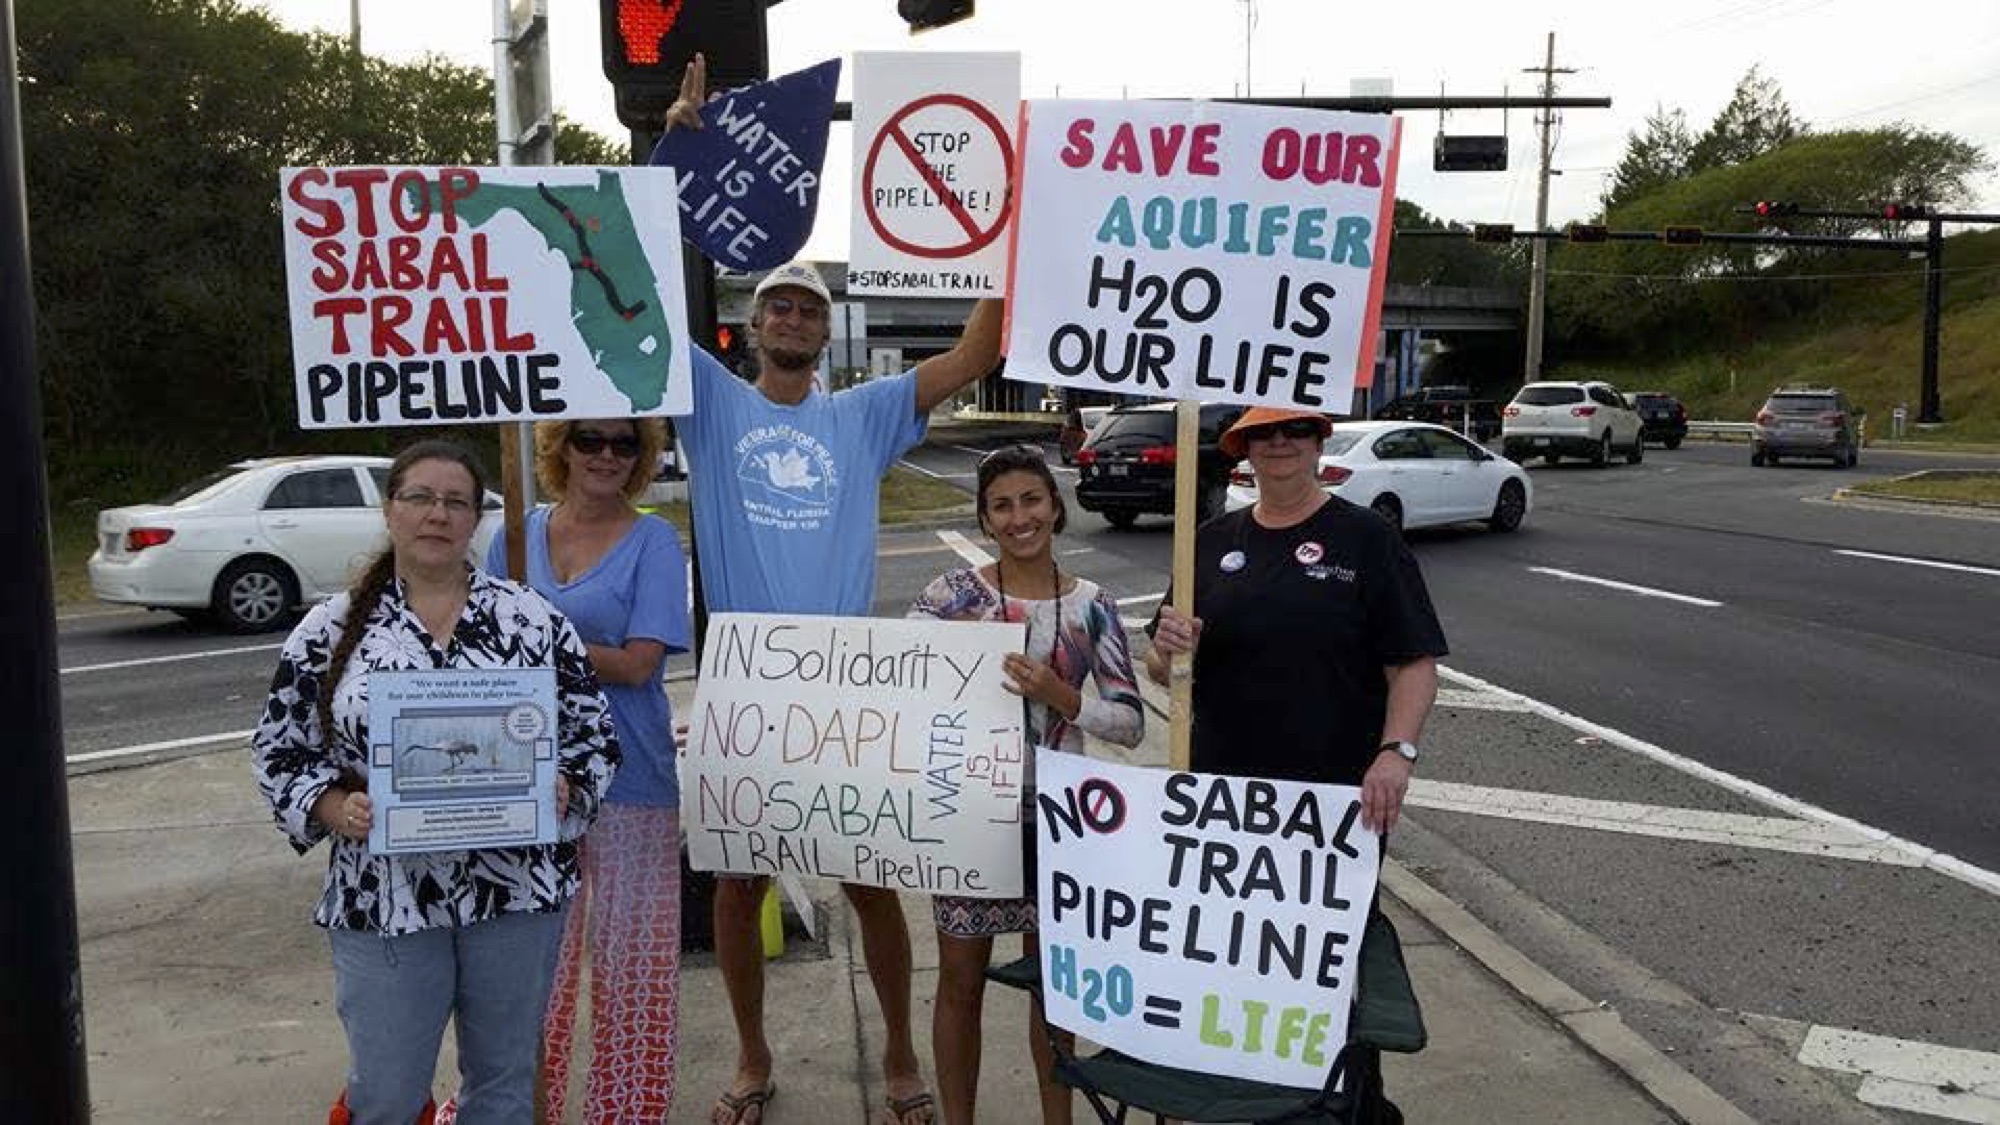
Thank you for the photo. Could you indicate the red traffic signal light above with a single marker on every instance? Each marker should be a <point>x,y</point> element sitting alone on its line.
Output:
<point>1681,236</point>
<point>1589,232</point>
<point>1772,209</point>
<point>1904,212</point>
<point>647,45</point>
<point>1492,232</point>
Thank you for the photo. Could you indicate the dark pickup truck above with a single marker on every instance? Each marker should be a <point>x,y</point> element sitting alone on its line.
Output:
<point>1455,408</point>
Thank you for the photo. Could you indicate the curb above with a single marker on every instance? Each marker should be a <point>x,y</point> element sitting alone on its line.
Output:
<point>1599,1031</point>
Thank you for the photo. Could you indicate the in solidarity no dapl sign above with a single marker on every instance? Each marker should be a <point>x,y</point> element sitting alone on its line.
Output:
<point>934,154</point>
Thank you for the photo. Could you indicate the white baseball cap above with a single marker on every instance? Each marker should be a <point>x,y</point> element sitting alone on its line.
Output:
<point>799,275</point>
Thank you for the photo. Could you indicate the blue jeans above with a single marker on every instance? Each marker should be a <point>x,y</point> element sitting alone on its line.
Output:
<point>394,995</point>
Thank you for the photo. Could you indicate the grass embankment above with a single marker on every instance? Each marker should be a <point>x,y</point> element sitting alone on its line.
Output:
<point>1868,341</point>
<point>906,496</point>
<point>1950,487</point>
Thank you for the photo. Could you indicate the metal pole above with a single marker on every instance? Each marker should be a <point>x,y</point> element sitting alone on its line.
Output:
<point>1538,272</point>
<point>517,442</point>
<point>354,26</point>
<point>1929,407</point>
<point>44,1078</point>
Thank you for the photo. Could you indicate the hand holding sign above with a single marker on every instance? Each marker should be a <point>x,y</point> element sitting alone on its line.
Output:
<point>749,185</point>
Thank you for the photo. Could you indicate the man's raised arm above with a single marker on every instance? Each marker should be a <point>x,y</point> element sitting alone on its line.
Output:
<point>975,355</point>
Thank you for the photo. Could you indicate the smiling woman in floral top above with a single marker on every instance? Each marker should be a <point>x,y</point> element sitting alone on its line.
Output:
<point>419,939</point>
<point>1073,633</point>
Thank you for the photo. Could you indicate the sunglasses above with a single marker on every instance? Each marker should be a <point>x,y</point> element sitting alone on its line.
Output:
<point>786,306</point>
<point>1013,455</point>
<point>590,443</point>
<point>1298,429</point>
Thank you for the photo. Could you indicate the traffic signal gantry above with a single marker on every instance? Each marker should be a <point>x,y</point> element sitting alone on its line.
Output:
<point>1932,246</point>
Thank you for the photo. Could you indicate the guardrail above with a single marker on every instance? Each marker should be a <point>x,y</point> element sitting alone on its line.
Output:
<point>1726,431</point>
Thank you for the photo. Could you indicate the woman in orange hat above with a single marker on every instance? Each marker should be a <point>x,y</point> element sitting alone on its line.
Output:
<point>1312,610</point>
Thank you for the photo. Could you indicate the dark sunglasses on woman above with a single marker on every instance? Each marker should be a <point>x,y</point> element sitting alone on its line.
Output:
<point>590,443</point>
<point>1298,429</point>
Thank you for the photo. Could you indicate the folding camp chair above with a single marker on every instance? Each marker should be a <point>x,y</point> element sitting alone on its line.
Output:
<point>1385,1017</point>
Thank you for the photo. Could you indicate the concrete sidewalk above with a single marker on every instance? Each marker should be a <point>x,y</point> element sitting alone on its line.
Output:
<point>208,991</point>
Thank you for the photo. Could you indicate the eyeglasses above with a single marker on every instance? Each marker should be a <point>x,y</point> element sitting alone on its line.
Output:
<point>1298,429</point>
<point>454,506</point>
<point>786,306</point>
<point>590,443</point>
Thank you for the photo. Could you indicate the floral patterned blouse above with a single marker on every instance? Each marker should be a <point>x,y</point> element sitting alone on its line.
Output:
<point>1090,644</point>
<point>503,625</point>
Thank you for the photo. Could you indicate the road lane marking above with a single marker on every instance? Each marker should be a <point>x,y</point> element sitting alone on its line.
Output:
<point>1142,599</point>
<point>909,464</point>
<point>1627,587</point>
<point>966,548</point>
<point>1463,700</point>
<point>159,747</point>
<point>1930,858</point>
<point>1741,830</point>
<point>1932,563</point>
<point>918,549</point>
<point>140,663</point>
<point>1949,1082</point>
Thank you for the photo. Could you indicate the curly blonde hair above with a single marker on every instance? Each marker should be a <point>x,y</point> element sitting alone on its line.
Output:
<point>552,471</point>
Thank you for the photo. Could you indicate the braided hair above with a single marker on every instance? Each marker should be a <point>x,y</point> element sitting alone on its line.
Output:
<point>366,593</point>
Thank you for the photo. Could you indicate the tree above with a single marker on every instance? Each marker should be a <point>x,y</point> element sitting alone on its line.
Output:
<point>1450,261</point>
<point>1652,159</point>
<point>1757,120</point>
<point>154,133</point>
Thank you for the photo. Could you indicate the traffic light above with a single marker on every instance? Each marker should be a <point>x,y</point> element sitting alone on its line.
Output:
<point>647,45</point>
<point>922,15</point>
<point>1492,232</point>
<point>1773,209</point>
<point>1589,232</point>
<point>1468,154</point>
<point>1681,236</point>
<point>1905,212</point>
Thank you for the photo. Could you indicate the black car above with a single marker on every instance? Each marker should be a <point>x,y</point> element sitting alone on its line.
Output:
<point>1662,418</point>
<point>1453,407</point>
<point>1126,469</point>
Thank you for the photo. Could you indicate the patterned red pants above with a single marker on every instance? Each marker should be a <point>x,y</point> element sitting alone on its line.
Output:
<point>629,912</point>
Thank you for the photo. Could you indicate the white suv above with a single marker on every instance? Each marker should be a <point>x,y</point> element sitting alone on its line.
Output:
<point>1557,420</point>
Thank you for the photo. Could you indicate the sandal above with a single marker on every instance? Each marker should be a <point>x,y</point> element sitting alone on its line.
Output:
<point>897,1111</point>
<point>738,1105</point>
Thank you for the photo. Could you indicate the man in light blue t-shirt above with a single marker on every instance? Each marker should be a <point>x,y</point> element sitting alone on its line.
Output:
<point>785,481</point>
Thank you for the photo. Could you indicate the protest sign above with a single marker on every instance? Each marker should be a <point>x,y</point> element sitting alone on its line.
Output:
<point>462,759</point>
<point>438,296</point>
<point>933,153</point>
<point>1208,923</point>
<point>883,752</point>
<point>749,177</point>
<point>1195,250</point>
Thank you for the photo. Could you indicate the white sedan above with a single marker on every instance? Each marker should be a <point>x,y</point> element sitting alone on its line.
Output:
<point>1414,475</point>
<point>251,542</point>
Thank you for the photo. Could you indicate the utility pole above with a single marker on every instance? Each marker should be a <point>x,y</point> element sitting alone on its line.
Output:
<point>1249,24</point>
<point>41,1022</point>
<point>354,27</point>
<point>1538,273</point>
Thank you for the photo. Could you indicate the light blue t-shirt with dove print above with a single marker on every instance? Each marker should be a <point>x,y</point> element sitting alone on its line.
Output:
<point>786,497</point>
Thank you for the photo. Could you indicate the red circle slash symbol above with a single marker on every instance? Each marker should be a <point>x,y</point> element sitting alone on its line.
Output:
<point>977,237</point>
<point>1102,805</point>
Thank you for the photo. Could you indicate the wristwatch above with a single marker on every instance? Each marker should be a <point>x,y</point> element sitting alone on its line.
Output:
<point>1408,750</point>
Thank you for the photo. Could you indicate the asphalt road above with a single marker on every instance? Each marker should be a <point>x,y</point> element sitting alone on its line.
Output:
<point>1611,764</point>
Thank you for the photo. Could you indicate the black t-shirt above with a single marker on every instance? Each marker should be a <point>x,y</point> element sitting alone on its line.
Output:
<point>1297,626</point>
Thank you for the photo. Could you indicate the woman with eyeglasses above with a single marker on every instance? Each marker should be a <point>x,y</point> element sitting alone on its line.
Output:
<point>620,576</point>
<point>1315,645</point>
<point>420,939</point>
<point>1073,633</point>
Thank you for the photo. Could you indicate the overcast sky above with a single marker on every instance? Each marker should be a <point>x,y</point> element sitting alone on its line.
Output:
<point>1841,64</point>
